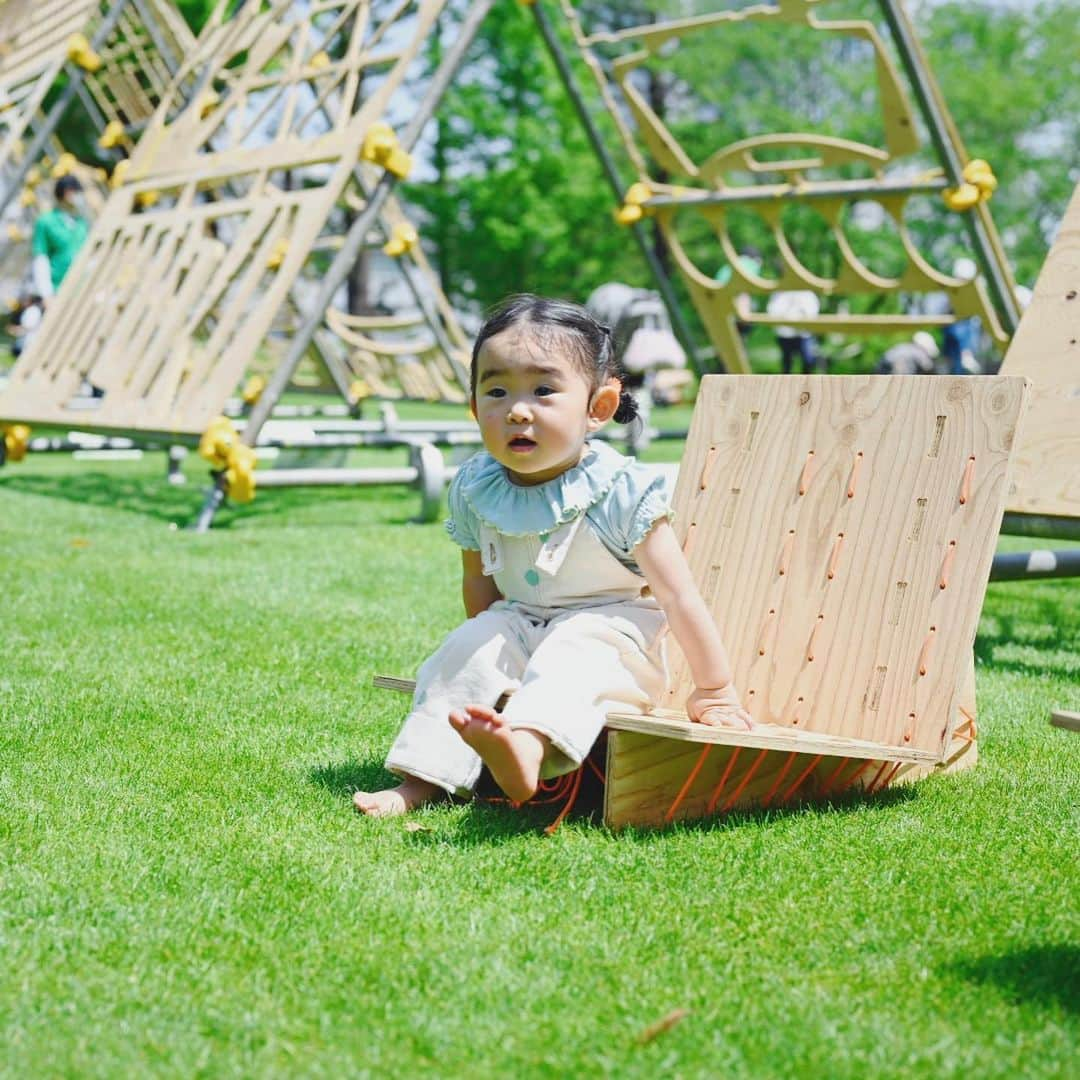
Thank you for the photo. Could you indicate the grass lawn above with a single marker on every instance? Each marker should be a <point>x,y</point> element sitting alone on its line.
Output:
<point>184,889</point>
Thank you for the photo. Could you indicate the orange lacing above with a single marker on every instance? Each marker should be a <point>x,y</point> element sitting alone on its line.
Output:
<point>564,789</point>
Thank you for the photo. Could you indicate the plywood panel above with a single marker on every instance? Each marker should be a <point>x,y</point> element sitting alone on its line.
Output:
<point>842,531</point>
<point>1046,476</point>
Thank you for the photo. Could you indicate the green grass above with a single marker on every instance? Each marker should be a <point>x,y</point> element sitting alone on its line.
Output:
<point>185,891</point>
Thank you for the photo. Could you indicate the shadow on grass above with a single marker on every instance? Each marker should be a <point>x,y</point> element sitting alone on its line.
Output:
<point>153,497</point>
<point>487,820</point>
<point>1043,973</point>
<point>149,496</point>
<point>1040,615</point>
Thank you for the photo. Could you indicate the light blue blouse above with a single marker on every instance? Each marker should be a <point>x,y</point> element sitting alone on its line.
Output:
<point>621,499</point>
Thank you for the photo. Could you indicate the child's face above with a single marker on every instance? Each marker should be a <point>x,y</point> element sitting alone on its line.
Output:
<point>534,406</point>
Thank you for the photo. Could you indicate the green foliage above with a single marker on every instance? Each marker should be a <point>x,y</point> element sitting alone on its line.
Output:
<point>518,200</point>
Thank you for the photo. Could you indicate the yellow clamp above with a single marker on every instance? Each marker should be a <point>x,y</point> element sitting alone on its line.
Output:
<point>221,446</point>
<point>277,254</point>
<point>381,147</point>
<point>14,233</point>
<point>403,238</point>
<point>119,173</point>
<point>33,176</point>
<point>632,209</point>
<point>79,52</point>
<point>320,60</point>
<point>113,135</point>
<point>27,197</point>
<point>16,439</point>
<point>147,198</point>
<point>358,390</point>
<point>979,184</point>
<point>253,389</point>
<point>63,166</point>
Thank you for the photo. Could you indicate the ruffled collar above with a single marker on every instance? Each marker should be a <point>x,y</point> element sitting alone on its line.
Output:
<point>516,510</point>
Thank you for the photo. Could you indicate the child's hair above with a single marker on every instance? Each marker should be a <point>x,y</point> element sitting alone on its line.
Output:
<point>588,342</point>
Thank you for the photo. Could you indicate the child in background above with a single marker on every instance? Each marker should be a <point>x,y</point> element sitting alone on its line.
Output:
<point>571,573</point>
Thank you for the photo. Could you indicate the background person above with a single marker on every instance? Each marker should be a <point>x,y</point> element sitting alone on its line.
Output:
<point>795,304</point>
<point>59,234</point>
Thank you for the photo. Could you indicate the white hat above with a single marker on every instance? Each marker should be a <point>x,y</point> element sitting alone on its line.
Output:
<point>925,340</point>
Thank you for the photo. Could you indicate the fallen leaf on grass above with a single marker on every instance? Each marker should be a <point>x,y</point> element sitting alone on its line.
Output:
<point>665,1023</point>
<point>415,826</point>
<point>80,542</point>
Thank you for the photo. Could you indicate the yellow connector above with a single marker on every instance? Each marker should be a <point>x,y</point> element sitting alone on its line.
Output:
<point>253,389</point>
<point>979,184</point>
<point>277,254</point>
<point>381,147</point>
<point>119,173</point>
<point>64,165</point>
<point>632,209</point>
<point>403,238</point>
<point>112,136</point>
<point>80,53</point>
<point>16,440</point>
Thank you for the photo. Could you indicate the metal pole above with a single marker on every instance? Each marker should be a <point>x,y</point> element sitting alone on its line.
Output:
<point>678,323</point>
<point>1026,565</point>
<point>1042,525</point>
<point>76,75</point>
<point>937,120</point>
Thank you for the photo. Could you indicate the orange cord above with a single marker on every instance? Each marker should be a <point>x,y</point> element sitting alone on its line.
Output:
<point>779,778</point>
<point>832,776</point>
<point>669,816</point>
<point>715,797</point>
<point>575,788</point>
<point>802,776</point>
<point>807,473</point>
<point>965,486</point>
<point>854,475</point>
<point>745,780</point>
<point>855,775</point>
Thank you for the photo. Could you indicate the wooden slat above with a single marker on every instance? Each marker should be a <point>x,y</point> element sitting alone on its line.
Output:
<point>1061,718</point>
<point>673,725</point>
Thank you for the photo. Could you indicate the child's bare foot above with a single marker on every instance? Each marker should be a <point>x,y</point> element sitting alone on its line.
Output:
<point>513,756</point>
<point>408,795</point>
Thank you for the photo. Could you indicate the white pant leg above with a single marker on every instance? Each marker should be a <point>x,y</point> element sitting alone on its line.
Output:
<point>589,663</point>
<point>478,662</point>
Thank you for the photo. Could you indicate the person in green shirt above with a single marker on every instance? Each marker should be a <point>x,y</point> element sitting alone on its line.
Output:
<point>58,235</point>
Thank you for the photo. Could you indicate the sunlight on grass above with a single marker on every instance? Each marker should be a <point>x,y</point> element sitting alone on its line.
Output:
<point>184,888</point>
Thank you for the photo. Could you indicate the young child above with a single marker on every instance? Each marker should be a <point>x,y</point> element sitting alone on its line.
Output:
<point>571,572</point>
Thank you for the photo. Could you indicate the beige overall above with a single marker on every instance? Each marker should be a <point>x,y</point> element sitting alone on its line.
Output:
<point>573,640</point>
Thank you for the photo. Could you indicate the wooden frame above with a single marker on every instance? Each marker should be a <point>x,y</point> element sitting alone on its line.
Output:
<point>708,188</point>
<point>156,311</point>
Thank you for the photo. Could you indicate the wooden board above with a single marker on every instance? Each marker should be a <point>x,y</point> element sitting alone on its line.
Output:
<point>1046,348</point>
<point>841,530</point>
<point>1070,721</point>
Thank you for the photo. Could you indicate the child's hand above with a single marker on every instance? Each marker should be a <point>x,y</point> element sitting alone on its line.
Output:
<point>718,707</point>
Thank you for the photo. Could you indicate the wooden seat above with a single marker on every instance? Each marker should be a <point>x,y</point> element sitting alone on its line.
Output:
<point>841,531</point>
